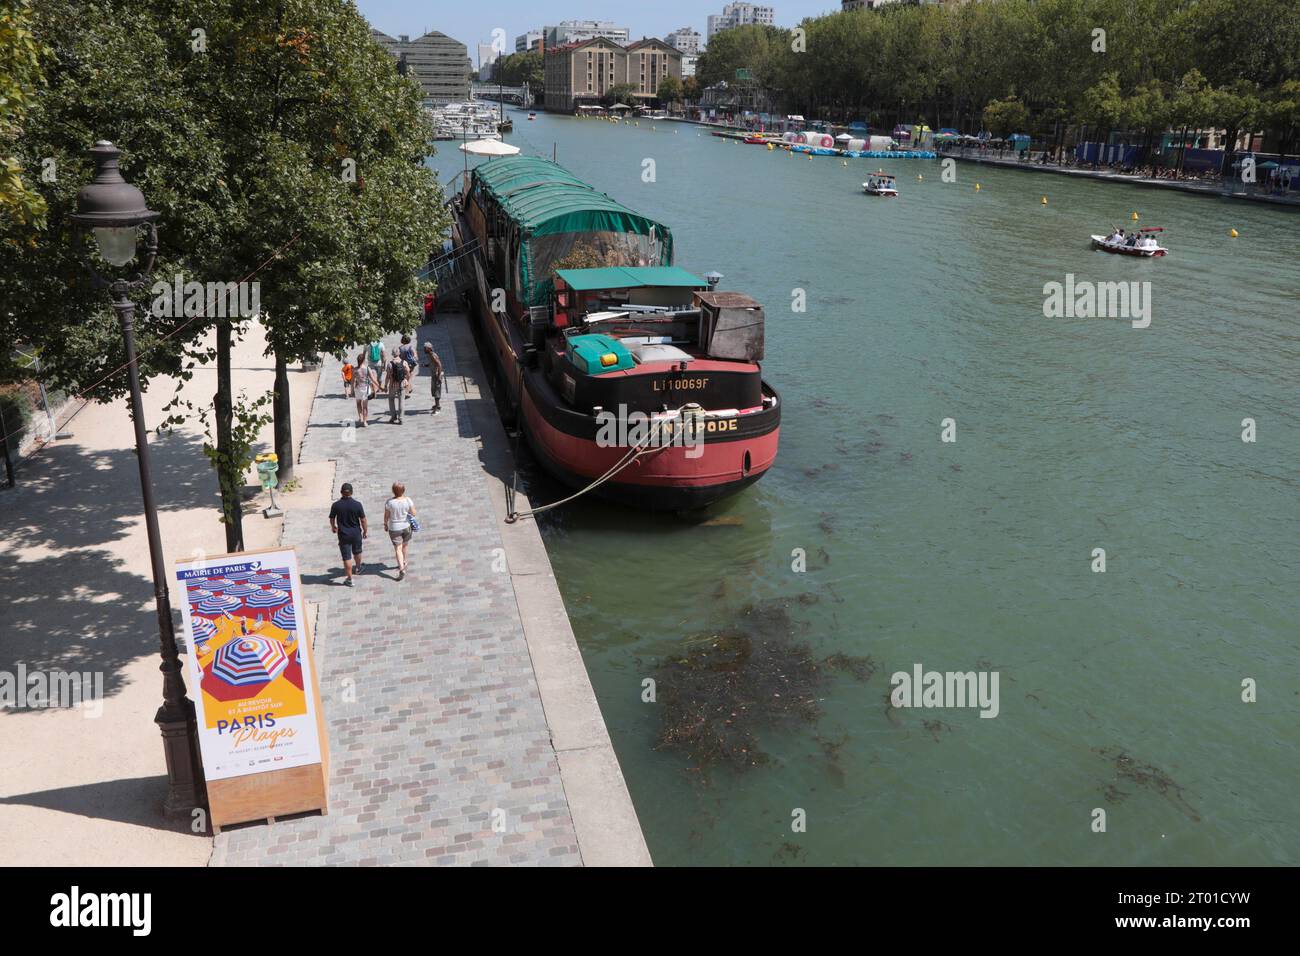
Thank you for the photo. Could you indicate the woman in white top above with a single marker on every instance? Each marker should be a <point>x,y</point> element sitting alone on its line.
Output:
<point>398,512</point>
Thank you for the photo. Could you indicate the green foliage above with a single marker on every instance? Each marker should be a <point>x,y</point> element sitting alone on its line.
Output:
<point>755,48</point>
<point>670,89</point>
<point>246,149</point>
<point>1003,117</point>
<point>517,69</point>
<point>232,459</point>
<point>21,207</point>
<point>619,93</point>
<point>1120,64</point>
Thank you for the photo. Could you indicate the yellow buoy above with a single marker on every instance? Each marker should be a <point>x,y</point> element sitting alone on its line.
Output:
<point>977,187</point>
<point>919,177</point>
<point>844,162</point>
<point>770,147</point>
<point>810,157</point>
<point>1233,233</point>
<point>1044,200</point>
<point>1134,217</point>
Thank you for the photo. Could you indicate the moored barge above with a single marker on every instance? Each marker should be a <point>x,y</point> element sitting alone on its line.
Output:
<point>627,375</point>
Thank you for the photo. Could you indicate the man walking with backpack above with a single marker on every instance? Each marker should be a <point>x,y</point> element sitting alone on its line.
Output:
<point>408,356</point>
<point>395,375</point>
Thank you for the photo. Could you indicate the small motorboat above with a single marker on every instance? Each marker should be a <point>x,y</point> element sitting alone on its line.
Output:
<point>756,140</point>
<point>532,116</point>
<point>1141,243</point>
<point>880,184</point>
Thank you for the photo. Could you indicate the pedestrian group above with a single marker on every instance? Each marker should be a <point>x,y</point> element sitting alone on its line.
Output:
<point>369,376</point>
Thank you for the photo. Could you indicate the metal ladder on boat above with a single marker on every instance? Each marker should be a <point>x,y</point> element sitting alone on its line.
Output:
<point>453,272</point>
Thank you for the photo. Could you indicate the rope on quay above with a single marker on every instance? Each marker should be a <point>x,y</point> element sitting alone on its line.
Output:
<point>633,453</point>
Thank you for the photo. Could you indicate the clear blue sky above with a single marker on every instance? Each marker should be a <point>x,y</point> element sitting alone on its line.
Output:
<point>472,21</point>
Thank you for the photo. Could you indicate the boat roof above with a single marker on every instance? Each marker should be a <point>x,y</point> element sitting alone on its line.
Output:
<point>544,197</point>
<point>627,277</point>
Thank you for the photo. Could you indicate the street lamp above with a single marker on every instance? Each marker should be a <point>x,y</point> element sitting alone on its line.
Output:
<point>114,212</point>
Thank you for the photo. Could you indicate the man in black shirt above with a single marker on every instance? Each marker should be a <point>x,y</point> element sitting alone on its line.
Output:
<point>348,521</point>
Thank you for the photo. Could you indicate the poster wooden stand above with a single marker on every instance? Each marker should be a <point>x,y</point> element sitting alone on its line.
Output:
<point>276,793</point>
<point>268,794</point>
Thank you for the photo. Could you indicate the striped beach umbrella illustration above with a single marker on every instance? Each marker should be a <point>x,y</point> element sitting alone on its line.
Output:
<point>216,584</point>
<point>217,604</point>
<point>198,594</point>
<point>241,590</point>
<point>239,575</point>
<point>204,630</point>
<point>285,619</point>
<point>267,577</point>
<point>249,660</point>
<point>271,597</point>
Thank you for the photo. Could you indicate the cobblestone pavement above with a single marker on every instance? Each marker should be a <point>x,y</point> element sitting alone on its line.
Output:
<point>440,750</point>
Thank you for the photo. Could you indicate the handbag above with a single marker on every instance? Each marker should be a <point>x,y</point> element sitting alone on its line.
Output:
<point>415,523</point>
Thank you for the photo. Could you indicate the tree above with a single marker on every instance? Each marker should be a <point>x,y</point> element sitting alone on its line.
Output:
<point>285,151</point>
<point>670,90</point>
<point>516,69</point>
<point>21,207</point>
<point>754,47</point>
<point>618,93</point>
<point>1003,117</point>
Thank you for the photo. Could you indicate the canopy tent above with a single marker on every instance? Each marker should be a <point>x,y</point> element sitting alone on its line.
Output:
<point>625,277</point>
<point>620,106</point>
<point>488,147</point>
<point>551,219</point>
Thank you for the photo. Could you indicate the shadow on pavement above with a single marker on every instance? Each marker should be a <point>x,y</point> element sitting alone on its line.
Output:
<point>137,801</point>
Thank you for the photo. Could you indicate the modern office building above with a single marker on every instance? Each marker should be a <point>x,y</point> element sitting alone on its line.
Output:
<point>528,41</point>
<point>688,65</point>
<point>576,31</point>
<point>439,63</point>
<point>686,39</point>
<point>739,15</point>
<point>580,73</point>
<point>487,57</point>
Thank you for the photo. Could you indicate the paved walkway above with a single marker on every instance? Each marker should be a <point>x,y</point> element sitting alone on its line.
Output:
<point>440,745</point>
<point>1216,190</point>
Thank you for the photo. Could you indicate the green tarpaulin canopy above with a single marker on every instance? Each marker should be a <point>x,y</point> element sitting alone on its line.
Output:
<point>627,277</point>
<point>541,199</point>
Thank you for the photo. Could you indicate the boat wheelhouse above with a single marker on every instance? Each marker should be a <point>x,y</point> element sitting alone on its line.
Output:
<point>627,374</point>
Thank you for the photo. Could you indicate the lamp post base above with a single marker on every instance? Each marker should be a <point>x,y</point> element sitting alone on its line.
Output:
<point>185,790</point>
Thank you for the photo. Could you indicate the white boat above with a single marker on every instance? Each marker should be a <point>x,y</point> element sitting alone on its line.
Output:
<point>1141,243</point>
<point>880,184</point>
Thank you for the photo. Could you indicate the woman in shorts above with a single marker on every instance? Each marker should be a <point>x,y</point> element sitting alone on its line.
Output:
<point>398,512</point>
<point>364,384</point>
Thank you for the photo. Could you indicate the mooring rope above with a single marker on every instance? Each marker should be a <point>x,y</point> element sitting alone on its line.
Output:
<point>633,453</point>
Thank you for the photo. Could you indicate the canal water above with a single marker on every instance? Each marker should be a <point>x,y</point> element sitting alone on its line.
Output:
<point>1119,691</point>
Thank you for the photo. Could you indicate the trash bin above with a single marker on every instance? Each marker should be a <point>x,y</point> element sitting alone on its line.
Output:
<point>268,466</point>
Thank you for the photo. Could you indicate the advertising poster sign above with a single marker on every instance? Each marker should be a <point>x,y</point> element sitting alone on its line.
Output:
<point>250,672</point>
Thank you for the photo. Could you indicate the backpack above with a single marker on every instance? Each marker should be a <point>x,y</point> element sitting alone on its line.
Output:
<point>376,352</point>
<point>347,372</point>
<point>397,370</point>
<point>408,353</point>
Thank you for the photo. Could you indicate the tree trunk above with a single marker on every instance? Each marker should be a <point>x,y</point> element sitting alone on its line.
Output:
<point>232,505</point>
<point>283,422</point>
<point>1229,154</point>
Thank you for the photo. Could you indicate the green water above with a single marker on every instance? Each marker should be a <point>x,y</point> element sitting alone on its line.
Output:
<point>1072,434</point>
